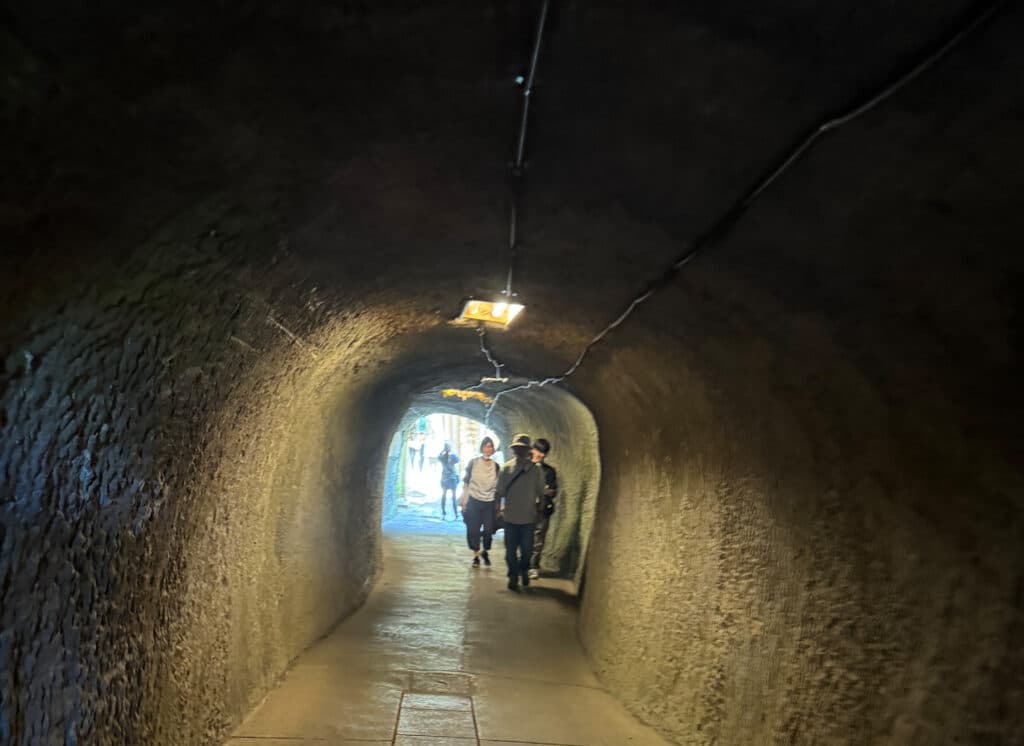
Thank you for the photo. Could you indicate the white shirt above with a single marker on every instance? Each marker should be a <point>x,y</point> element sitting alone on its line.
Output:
<point>483,478</point>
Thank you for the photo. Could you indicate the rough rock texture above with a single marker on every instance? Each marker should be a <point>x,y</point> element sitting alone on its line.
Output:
<point>809,526</point>
<point>172,532</point>
<point>231,236</point>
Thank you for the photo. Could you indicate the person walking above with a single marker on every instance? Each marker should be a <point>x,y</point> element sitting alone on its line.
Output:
<point>520,487</point>
<point>449,479</point>
<point>546,507</point>
<point>478,506</point>
<point>413,448</point>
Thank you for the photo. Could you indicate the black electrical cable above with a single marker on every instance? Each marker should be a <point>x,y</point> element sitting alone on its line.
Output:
<point>730,217</point>
<point>520,152</point>
<point>487,353</point>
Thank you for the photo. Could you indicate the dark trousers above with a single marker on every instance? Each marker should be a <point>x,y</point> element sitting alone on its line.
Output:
<point>479,513</point>
<point>518,536</point>
<point>444,496</point>
<point>540,533</point>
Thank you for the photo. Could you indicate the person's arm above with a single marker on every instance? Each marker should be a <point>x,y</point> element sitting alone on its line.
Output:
<point>550,490</point>
<point>499,490</point>
<point>464,497</point>
<point>552,483</point>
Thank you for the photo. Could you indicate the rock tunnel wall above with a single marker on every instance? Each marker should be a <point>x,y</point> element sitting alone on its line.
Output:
<point>812,459</point>
<point>811,571</point>
<point>184,508</point>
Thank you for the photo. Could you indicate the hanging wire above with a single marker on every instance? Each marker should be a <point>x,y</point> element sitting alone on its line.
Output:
<point>516,170</point>
<point>727,220</point>
<point>520,152</point>
<point>487,353</point>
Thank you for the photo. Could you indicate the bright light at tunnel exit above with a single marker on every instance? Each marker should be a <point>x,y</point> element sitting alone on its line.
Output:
<point>491,312</point>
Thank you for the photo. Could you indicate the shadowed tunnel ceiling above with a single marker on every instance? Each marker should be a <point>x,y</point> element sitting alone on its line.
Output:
<point>232,235</point>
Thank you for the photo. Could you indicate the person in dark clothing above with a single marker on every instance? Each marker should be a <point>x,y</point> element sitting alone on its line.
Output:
<point>478,506</point>
<point>413,448</point>
<point>520,487</point>
<point>449,479</point>
<point>546,506</point>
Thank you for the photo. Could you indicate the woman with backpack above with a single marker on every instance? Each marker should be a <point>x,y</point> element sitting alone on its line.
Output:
<point>478,506</point>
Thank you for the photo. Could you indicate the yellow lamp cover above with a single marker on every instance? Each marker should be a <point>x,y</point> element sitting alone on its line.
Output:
<point>491,312</point>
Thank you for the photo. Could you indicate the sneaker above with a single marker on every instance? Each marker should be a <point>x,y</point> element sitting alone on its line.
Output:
<point>476,562</point>
<point>534,575</point>
<point>487,559</point>
<point>513,585</point>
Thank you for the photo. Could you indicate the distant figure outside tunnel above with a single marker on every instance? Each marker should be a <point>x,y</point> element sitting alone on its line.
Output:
<point>413,437</point>
<point>520,488</point>
<point>449,479</point>
<point>545,507</point>
<point>478,506</point>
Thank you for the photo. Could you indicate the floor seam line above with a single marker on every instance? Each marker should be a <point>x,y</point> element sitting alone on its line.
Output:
<point>398,717</point>
<point>286,738</point>
<point>532,743</point>
<point>537,681</point>
<point>476,726</point>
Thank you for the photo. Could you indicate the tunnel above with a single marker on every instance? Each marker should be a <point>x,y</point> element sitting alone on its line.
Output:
<point>773,308</point>
<point>554,412</point>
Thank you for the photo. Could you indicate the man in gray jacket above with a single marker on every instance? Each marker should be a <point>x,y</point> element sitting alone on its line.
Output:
<point>520,488</point>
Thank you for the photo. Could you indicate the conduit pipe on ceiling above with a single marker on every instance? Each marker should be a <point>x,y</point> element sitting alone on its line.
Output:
<point>520,153</point>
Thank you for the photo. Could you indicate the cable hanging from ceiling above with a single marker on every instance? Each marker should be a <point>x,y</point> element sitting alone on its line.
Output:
<point>520,151</point>
<point>724,223</point>
<point>504,309</point>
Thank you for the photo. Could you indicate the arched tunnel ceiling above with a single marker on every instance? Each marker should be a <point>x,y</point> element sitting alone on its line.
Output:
<point>367,149</point>
<point>374,142</point>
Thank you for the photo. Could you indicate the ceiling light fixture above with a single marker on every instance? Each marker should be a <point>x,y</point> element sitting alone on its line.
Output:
<point>501,310</point>
<point>498,311</point>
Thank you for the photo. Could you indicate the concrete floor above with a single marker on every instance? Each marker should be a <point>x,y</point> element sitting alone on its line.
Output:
<point>444,655</point>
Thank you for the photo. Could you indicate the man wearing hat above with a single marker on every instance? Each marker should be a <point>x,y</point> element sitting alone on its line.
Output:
<point>546,507</point>
<point>520,487</point>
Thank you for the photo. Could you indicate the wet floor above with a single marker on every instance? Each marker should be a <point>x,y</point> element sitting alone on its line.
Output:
<point>444,655</point>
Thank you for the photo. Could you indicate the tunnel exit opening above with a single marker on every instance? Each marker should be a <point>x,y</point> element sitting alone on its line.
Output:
<point>426,458</point>
<point>411,472</point>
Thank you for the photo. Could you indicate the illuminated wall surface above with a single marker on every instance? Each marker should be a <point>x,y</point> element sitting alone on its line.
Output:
<point>233,238</point>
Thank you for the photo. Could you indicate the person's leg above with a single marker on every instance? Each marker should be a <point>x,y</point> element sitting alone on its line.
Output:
<point>511,561</point>
<point>525,552</point>
<point>455,502</point>
<point>540,532</point>
<point>444,500</point>
<point>487,518</point>
<point>472,526</point>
